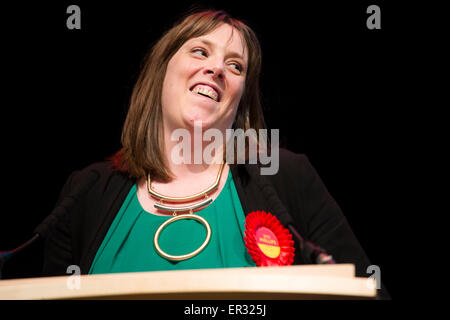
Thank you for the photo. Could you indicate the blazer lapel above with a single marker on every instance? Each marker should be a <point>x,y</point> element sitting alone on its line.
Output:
<point>257,193</point>
<point>112,193</point>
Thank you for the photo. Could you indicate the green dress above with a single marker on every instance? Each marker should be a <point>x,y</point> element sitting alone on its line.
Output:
<point>128,245</point>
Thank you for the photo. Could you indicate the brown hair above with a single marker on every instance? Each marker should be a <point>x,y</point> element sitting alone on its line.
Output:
<point>142,140</point>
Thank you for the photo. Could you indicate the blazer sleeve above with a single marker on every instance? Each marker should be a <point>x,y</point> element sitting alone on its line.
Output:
<point>327,226</point>
<point>57,245</point>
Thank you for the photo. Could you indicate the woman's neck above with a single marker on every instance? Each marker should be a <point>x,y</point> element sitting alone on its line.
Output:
<point>189,156</point>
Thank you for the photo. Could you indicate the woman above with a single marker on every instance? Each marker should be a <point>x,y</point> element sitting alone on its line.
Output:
<point>203,72</point>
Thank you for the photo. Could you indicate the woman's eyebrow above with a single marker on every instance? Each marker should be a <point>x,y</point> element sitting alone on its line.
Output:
<point>231,54</point>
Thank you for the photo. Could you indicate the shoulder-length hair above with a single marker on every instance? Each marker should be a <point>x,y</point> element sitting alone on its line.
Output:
<point>142,138</point>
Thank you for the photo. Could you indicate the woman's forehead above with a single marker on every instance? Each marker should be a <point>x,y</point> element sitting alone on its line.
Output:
<point>226,38</point>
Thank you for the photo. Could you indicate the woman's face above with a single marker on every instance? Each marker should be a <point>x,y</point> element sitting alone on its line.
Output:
<point>205,80</point>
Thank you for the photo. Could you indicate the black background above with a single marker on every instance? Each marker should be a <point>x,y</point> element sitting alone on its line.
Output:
<point>338,92</point>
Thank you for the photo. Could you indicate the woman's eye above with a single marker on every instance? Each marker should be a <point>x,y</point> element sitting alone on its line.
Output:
<point>236,66</point>
<point>199,51</point>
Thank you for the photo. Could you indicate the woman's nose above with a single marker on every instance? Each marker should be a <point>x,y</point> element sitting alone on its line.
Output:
<point>216,71</point>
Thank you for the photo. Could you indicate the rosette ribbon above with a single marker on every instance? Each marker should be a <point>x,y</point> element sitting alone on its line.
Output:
<point>267,241</point>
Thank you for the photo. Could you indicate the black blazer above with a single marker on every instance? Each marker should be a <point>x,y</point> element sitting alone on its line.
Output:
<point>91,198</point>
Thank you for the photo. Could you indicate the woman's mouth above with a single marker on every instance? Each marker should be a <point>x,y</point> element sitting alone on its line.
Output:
<point>206,90</point>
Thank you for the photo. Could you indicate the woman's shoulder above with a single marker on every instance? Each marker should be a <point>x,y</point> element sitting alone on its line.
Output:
<point>96,169</point>
<point>98,174</point>
<point>288,156</point>
<point>100,167</point>
<point>292,163</point>
<point>295,170</point>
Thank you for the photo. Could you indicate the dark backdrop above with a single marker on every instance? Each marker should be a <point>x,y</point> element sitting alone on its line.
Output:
<point>332,87</point>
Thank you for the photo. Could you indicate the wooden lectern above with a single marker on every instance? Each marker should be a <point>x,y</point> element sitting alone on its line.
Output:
<point>266,283</point>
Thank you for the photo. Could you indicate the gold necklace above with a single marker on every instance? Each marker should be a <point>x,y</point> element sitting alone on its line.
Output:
<point>177,209</point>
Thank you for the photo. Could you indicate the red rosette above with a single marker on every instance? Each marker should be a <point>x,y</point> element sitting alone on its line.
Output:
<point>267,241</point>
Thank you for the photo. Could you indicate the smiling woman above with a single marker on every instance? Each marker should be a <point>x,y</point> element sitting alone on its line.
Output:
<point>205,70</point>
<point>203,66</point>
<point>209,49</point>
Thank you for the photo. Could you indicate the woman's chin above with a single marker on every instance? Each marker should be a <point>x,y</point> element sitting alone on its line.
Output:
<point>201,120</point>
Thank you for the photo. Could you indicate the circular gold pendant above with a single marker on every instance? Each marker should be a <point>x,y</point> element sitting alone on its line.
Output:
<point>184,256</point>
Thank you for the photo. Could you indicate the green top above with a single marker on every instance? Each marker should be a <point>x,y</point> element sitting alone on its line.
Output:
<point>128,245</point>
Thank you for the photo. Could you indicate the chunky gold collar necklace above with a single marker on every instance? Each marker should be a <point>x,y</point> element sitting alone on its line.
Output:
<point>174,209</point>
<point>186,208</point>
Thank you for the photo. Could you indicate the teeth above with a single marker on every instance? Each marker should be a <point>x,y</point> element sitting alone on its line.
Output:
<point>207,92</point>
